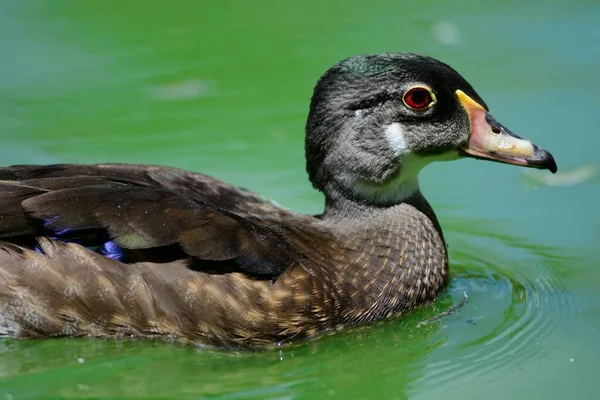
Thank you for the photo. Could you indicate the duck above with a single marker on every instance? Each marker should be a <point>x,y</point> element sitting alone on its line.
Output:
<point>143,251</point>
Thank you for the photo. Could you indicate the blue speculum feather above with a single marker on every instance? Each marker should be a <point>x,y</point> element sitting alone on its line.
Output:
<point>63,232</point>
<point>98,243</point>
<point>111,250</point>
<point>49,221</point>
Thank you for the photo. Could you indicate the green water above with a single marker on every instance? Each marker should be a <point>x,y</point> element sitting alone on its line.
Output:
<point>223,88</point>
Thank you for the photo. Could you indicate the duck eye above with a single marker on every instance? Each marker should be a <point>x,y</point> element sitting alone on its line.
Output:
<point>419,98</point>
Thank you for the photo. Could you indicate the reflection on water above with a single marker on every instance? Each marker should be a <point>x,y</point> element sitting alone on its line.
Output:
<point>574,176</point>
<point>83,367</point>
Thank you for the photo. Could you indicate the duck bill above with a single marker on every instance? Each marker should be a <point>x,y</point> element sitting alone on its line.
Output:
<point>490,140</point>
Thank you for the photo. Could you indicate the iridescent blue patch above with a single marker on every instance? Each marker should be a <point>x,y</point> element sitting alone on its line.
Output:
<point>112,250</point>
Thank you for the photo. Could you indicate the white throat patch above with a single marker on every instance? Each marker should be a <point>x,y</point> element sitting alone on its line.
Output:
<point>405,184</point>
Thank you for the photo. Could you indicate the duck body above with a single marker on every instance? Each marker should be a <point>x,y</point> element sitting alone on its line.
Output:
<point>145,251</point>
<point>216,291</point>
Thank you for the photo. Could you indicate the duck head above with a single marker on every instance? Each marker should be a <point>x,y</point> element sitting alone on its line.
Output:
<point>376,120</point>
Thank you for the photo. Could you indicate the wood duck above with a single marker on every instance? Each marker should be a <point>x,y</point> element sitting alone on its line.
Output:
<point>117,250</point>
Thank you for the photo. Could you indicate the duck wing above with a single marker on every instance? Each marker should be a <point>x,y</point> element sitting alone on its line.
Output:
<point>145,213</point>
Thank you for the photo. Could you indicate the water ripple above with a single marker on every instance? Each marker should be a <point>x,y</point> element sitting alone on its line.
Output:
<point>518,297</point>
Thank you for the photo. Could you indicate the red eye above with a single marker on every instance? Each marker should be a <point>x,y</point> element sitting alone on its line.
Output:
<point>419,98</point>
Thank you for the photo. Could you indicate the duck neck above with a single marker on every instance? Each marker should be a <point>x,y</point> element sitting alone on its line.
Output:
<point>394,256</point>
<point>340,206</point>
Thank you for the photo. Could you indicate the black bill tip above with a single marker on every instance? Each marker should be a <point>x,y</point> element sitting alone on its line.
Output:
<point>544,160</point>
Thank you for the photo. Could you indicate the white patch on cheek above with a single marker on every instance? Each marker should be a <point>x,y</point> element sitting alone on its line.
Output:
<point>395,137</point>
<point>358,114</point>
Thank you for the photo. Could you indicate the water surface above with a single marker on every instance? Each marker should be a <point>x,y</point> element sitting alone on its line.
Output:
<point>224,89</point>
